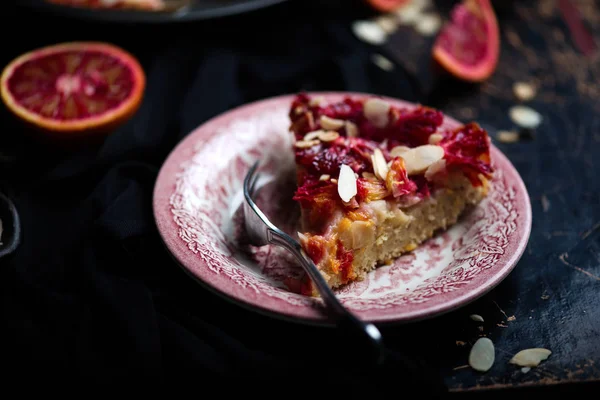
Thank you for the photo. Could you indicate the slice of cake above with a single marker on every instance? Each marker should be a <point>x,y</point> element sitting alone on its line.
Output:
<point>376,181</point>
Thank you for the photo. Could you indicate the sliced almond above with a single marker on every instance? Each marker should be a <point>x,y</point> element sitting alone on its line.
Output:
<point>508,136</point>
<point>328,136</point>
<point>312,135</point>
<point>331,124</point>
<point>418,159</point>
<point>530,357</point>
<point>387,22</point>
<point>482,355</point>
<point>368,175</point>
<point>316,101</point>
<point>324,177</point>
<point>333,180</point>
<point>347,188</point>
<point>377,112</point>
<point>351,129</point>
<point>525,117</point>
<point>428,24</point>
<point>434,169</point>
<point>398,150</point>
<point>369,32</point>
<point>435,138</point>
<point>524,91</point>
<point>476,317</point>
<point>303,144</point>
<point>382,62</point>
<point>379,164</point>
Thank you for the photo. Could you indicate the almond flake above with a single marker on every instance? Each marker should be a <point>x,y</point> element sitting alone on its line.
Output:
<point>507,136</point>
<point>303,144</point>
<point>312,135</point>
<point>434,169</point>
<point>482,355</point>
<point>388,23</point>
<point>369,32</point>
<point>524,91</point>
<point>331,124</point>
<point>379,164</point>
<point>333,180</point>
<point>476,317</point>
<point>303,238</point>
<point>328,136</point>
<point>368,175</point>
<point>530,357</point>
<point>428,24</point>
<point>382,62</point>
<point>409,13</point>
<point>347,188</point>
<point>324,177</point>
<point>418,159</point>
<point>351,129</point>
<point>376,111</point>
<point>435,138</point>
<point>398,150</point>
<point>316,101</point>
<point>525,117</point>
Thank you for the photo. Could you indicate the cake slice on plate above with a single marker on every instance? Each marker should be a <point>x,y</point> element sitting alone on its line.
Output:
<point>376,180</point>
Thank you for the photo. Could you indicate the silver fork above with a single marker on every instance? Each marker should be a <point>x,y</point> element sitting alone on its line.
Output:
<point>261,232</point>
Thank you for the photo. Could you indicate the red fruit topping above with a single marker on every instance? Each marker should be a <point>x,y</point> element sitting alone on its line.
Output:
<point>319,200</point>
<point>371,190</point>
<point>345,258</point>
<point>397,179</point>
<point>315,248</point>
<point>410,128</point>
<point>468,46</point>
<point>327,158</point>
<point>468,147</point>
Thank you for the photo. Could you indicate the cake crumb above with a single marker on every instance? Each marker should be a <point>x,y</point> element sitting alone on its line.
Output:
<point>460,343</point>
<point>511,318</point>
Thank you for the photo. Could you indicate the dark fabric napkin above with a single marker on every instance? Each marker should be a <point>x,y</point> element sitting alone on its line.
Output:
<point>92,294</point>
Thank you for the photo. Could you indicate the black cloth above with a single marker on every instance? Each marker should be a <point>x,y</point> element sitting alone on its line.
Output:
<point>93,294</point>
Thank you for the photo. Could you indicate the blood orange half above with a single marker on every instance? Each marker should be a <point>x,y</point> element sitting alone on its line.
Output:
<point>74,87</point>
<point>386,5</point>
<point>468,46</point>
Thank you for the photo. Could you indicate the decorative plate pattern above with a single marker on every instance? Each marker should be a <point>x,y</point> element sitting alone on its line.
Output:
<point>197,205</point>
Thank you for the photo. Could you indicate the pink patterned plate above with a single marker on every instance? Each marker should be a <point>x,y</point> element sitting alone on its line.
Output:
<point>197,207</point>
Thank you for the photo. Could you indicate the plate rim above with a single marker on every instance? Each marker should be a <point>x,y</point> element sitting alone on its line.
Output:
<point>419,315</point>
<point>135,17</point>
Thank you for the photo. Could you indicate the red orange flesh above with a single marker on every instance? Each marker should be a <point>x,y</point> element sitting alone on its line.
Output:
<point>468,46</point>
<point>74,87</point>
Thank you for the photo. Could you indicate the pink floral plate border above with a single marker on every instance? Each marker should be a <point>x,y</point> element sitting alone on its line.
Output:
<point>197,199</point>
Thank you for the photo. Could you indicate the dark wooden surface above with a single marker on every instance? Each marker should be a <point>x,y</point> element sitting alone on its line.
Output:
<point>551,298</point>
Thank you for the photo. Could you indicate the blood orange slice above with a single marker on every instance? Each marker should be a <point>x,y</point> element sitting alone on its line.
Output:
<point>386,5</point>
<point>468,46</point>
<point>74,87</point>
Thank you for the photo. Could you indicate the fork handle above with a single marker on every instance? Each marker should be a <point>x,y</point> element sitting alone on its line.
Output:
<point>343,317</point>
